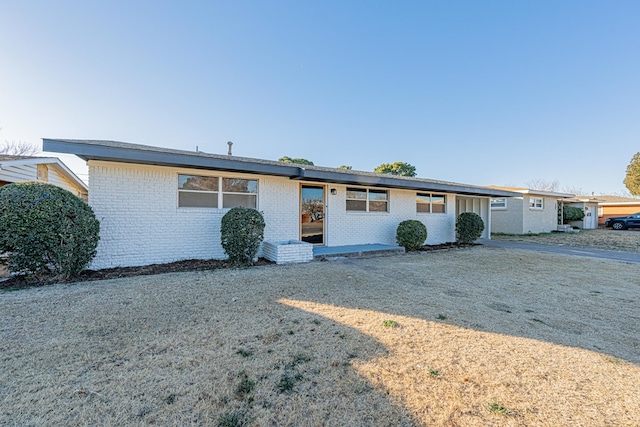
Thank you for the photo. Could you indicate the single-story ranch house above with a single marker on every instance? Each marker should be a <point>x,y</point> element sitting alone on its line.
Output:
<point>159,205</point>
<point>43,169</point>
<point>610,206</point>
<point>532,211</point>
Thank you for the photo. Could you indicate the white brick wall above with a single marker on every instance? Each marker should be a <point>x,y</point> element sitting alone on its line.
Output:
<point>352,228</point>
<point>509,220</point>
<point>519,218</point>
<point>141,224</point>
<point>288,251</point>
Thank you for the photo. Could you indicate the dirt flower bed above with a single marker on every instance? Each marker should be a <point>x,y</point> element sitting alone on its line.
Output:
<point>615,240</point>
<point>120,272</point>
<point>466,337</point>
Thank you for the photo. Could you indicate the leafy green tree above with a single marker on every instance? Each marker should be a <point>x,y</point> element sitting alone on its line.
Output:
<point>396,168</point>
<point>287,159</point>
<point>345,167</point>
<point>632,179</point>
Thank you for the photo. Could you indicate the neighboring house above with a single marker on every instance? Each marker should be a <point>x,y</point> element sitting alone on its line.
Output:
<point>159,205</point>
<point>610,206</point>
<point>532,211</point>
<point>590,208</point>
<point>44,169</point>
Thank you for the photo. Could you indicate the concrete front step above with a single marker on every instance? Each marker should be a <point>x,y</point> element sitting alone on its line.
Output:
<point>351,251</point>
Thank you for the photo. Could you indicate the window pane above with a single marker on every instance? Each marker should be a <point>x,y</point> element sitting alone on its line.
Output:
<point>233,185</point>
<point>235,200</point>
<point>356,205</point>
<point>422,207</point>
<point>438,203</point>
<point>375,206</point>
<point>377,195</point>
<point>193,182</point>
<point>423,202</point>
<point>498,203</point>
<point>197,200</point>
<point>535,202</point>
<point>354,193</point>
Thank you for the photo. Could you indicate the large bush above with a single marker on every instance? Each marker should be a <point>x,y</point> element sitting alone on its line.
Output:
<point>242,231</point>
<point>469,227</point>
<point>411,234</point>
<point>571,213</point>
<point>45,231</point>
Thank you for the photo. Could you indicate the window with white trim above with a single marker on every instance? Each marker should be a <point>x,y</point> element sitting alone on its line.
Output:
<point>499,203</point>
<point>367,200</point>
<point>536,203</point>
<point>196,191</point>
<point>431,203</point>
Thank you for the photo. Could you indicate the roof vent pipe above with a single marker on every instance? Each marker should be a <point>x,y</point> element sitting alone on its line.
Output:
<point>229,143</point>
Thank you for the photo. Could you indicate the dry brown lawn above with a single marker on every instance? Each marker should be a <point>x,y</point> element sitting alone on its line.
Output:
<point>466,337</point>
<point>616,240</point>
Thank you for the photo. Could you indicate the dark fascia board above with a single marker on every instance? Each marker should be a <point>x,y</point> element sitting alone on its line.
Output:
<point>131,153</point>
<point>90,151</point>
<point>391,182</point>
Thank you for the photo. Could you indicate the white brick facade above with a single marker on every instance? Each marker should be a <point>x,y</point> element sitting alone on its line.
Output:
<point>519,218</point>
<point>141,223</point>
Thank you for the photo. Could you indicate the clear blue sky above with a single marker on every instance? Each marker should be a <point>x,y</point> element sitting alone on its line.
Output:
<point>477,92</point>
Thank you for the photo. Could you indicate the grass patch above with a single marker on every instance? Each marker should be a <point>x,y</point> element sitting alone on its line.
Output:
<point>390,324</point>
<point>288,382</point>
<point>244,387</point>
<point>244,353</point>
<point>497,408</point>
<point>233,419</point>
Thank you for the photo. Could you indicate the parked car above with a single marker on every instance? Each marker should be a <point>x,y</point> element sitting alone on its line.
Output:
<point>623,222</point>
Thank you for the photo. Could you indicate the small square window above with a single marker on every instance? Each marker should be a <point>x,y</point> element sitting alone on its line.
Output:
<point>536,203</point>
<point>499,203</point>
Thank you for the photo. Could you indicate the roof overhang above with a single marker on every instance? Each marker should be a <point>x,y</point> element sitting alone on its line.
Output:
<point>56,162</point>
<point>147,155</point>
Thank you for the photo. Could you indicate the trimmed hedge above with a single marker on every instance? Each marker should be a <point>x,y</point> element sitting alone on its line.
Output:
<point>469,227</point>
<point>46,232</point>
<point>242,231</point>
<point>411,234</point>
<point>571,213</point>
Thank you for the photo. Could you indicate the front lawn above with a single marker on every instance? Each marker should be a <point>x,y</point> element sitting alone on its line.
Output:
<point>471,337</point>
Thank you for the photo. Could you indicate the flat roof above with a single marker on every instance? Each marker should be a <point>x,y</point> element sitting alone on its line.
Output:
<point>115,151</point>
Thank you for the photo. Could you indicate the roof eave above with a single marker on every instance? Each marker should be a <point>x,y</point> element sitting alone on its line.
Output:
<point>158,158</point>
<point>391,182</point>
<point>88,151</point>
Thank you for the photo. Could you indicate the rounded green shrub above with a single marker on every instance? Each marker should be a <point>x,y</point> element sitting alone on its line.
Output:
<point>242,231</point>
<point>469,227</point>
<point>571,213</point>
<point>46,232</point>
<point>411,234</point>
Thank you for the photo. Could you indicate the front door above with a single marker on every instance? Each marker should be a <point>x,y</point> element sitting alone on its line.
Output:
<point>312,214</point>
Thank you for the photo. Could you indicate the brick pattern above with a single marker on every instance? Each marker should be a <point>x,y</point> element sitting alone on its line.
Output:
<point>141,223</point>
<point>288,252</point>
<point>354,228</point>
<point>519,218</point>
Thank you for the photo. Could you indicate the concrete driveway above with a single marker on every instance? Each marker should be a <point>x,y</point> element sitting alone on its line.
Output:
<point>561,249</point>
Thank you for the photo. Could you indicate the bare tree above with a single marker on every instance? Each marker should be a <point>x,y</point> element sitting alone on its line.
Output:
<point>543,185</point>
<point>19,148</point>
<point>573,190</point>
